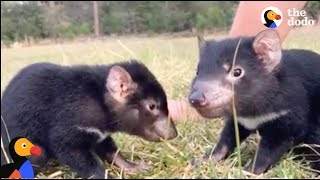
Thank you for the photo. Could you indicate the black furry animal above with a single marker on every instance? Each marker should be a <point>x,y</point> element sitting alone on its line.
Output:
<point>71,111</point>
<point>277,92</point>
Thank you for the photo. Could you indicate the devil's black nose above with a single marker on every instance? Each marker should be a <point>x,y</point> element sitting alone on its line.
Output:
<point>197,99</point>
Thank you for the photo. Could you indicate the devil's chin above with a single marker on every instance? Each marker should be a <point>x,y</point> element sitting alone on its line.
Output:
<point>212,112</point>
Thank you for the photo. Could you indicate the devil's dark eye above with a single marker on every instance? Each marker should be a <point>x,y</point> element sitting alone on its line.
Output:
<point>237,72</point>
<point>152,106</point>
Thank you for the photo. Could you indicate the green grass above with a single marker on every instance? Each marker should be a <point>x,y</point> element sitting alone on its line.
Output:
<point>173,61</point>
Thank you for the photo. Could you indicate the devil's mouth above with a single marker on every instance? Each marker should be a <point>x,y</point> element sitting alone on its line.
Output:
<point>152,135</point>
<point>212,111</point>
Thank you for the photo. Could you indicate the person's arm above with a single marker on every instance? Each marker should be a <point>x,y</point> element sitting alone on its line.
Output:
<point>247,21</point>
<point>180,110</point>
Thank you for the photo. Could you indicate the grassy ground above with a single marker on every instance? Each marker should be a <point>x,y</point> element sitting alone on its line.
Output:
<point>173,61</point>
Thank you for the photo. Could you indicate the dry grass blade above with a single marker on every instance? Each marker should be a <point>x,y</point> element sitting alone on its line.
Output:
<point>4,152</point>
<point>126,48</point>
<point>235,112</point>
<point>2,145</point>
<point>311,147</point>
<point>5,126</point>
<point>255,155</point>
<point>55,174</point>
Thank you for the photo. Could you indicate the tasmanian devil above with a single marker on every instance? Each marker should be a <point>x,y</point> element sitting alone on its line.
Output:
<point>277,92</point>
<point>71,111</point>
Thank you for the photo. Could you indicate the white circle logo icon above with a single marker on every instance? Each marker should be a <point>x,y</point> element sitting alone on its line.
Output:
<point>271,17</point>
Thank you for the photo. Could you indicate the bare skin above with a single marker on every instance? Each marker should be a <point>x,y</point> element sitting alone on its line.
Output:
<point>129,167</point>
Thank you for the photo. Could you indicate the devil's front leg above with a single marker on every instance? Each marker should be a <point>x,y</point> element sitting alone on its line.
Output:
<point>227,141</point>
<point>107,150</point>
<point>72,147</point>
<point>276,139</point>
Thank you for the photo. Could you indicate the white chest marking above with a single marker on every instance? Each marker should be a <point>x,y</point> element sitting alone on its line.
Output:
<point>102,135</point>
<point>255,121</point>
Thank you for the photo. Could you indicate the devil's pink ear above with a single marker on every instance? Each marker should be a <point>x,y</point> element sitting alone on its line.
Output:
<point>267,46</point>
<point>119,83</point>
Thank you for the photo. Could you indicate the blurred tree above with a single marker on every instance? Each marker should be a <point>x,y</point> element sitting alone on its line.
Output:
<point>20,21</point>
<point>96,19</point>
<point>313,9</point>
<point>69,19</point>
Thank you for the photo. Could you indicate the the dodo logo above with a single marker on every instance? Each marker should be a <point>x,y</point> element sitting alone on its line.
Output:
<point>21,167</point>
<point>271,17</point>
